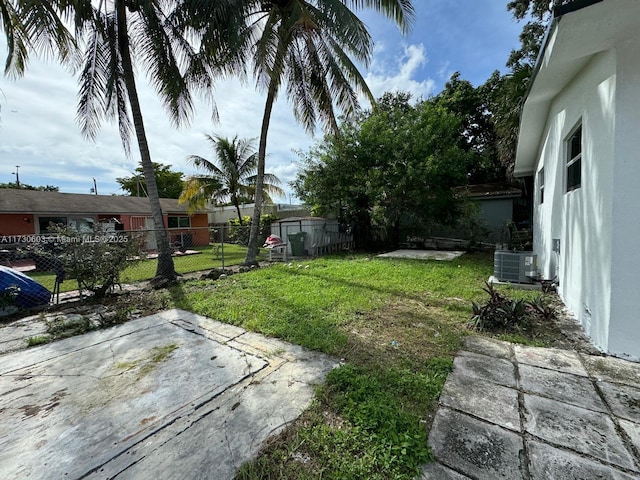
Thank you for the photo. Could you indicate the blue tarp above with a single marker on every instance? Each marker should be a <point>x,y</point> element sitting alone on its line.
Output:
<point>31,293</point>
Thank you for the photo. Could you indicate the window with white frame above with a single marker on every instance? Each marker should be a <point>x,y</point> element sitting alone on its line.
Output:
<point>541,184</point>
<point>573,170</point>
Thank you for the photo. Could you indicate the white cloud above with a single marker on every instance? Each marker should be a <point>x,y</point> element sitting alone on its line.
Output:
<point>402,74</point>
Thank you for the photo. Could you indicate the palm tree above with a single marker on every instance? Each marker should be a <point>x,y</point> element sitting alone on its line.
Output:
<point>230,178</point>
<point>308,44</point>
<point>116,33</point>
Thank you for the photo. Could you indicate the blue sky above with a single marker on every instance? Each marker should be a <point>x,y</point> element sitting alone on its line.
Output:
<point>37,117</point>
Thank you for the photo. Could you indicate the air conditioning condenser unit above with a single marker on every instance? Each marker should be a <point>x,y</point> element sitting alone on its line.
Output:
<point>517,267</point>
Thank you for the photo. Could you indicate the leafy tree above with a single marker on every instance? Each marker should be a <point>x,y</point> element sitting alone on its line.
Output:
<point>169,183</point>
<point>26,186</point>
<point>509,91</point>
<point>306,45</point>
<point>391,170</point>
<point>230,178</point>
<point>477,135</point>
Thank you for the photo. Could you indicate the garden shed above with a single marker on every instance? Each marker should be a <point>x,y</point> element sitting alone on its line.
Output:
<point>312,236</point>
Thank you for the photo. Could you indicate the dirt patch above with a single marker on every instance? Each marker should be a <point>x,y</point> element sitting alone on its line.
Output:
<point>405,329</point>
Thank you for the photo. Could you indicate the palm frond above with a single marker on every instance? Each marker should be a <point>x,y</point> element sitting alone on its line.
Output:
<point>400,11</point>
<point>16,36</point>
<point>157,52</point>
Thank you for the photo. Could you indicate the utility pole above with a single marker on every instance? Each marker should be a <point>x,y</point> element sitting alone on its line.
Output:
<point>17,176</point>
<point>95,186</point>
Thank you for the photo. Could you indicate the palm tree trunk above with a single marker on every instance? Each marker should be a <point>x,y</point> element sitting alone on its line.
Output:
<point>165,270</point>
<point>252,249</point>
<point>239,213</point>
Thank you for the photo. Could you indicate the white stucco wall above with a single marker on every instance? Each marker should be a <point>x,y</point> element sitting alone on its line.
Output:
<point>582,218</point>
<point>624,337</point>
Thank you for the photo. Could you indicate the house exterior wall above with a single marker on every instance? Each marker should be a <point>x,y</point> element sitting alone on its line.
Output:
<point>624,337</point>
<point>582,218</point>
<point>199,230</point>
<point>15,224</point>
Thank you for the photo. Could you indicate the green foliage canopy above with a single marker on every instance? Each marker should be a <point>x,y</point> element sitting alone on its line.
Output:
<point>169,183</point>
<point>26,186</point>
<point>393,167</point>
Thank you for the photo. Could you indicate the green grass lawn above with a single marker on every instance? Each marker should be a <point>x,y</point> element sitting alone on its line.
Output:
<point>395,324</point>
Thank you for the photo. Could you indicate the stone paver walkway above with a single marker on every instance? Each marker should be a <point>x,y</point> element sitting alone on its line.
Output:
<point>514,412</point>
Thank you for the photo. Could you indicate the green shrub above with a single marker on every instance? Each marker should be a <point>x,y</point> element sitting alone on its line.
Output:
<point>239,234</point>
<point>95,259</point>
<point>503,314</point>
<point>38,340</point>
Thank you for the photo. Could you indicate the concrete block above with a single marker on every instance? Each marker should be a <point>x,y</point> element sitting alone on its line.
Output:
<point>551,358</point>
<point>436,471</point>
<point>547,462</point>
<point>478,449</point>
<point>614,370</point>
<point>632,430</point>
<point>496,370</point>
<point>624,400</point>
<point>564,387</point>
<point>482,399</point>
<point>489,346</point>
<point>575,428</point>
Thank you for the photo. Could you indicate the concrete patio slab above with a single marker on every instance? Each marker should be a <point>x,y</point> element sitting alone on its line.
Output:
<point>477,448</point>
<point>624,400</point>
<point>632,430</point>
<point>565,387</point>
<point>551,358</point>
<point>15,335</point>
<point>436,471</point>
<point>614,370</point>
<point>490,347</point>
<point>446,255</point>
<point>174,395</point>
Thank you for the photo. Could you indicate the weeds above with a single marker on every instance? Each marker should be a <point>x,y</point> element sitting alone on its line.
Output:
<point>38,340</point>
<point>68,326</point>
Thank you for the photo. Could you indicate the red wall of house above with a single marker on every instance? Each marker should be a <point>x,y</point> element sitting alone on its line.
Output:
<point>199,230</point>
<point>25,224</point>
<point>17,224</point>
